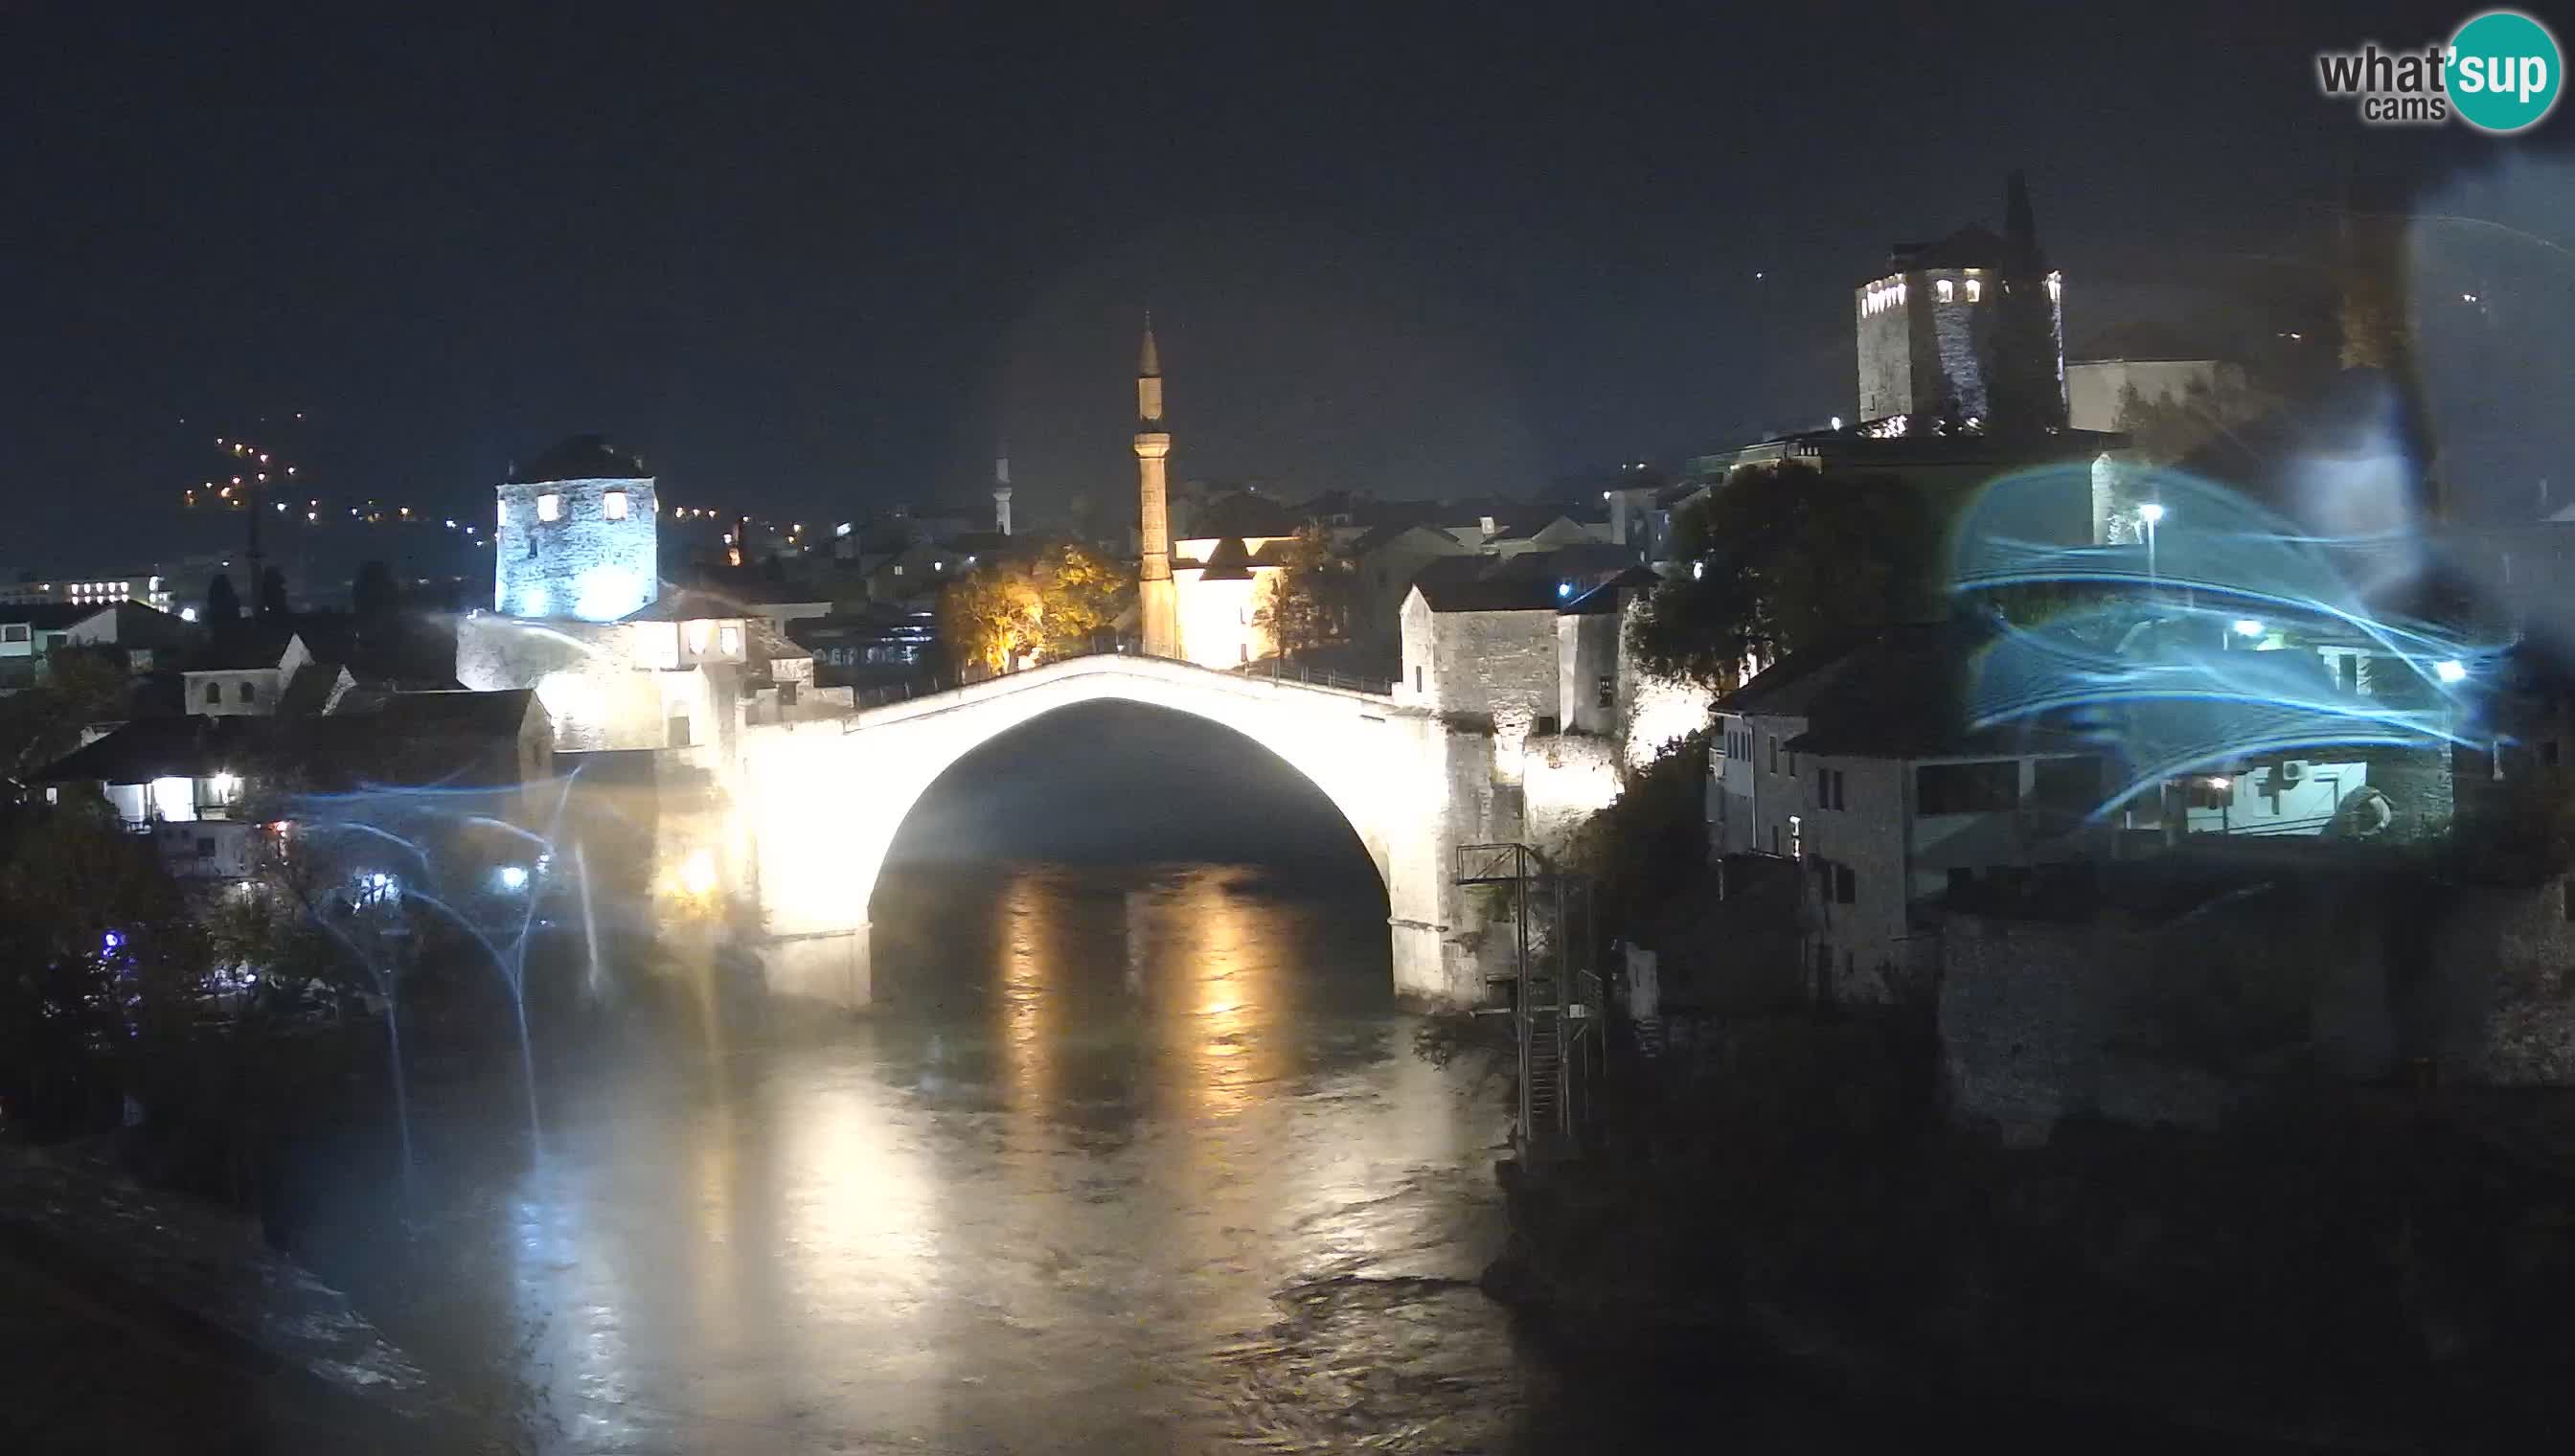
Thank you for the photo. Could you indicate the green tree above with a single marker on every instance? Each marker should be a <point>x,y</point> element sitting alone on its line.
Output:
<point>81,687</point>
<point>2169,428</point>
<point>98,960</point>
<point>223,604</point>
<point>1307,605</point>
<point>373,597</point>
<point>1054,604</point>
<point>1781,558</point>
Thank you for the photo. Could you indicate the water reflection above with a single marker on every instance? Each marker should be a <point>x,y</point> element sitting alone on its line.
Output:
<point>1127,1162</point>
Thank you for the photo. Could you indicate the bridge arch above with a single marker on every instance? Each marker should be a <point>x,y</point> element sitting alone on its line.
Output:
<point>821,800</point>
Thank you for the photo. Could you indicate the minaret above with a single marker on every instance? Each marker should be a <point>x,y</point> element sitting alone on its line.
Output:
<point>1156,600</point>
<point>1001,491</point>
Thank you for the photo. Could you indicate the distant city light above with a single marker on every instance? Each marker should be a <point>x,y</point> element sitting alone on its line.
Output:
<point>187,614</point>
<point>112,941</point>
<point>1564,590</point>
<point>1837,421</point>
<point>2247,626</point>
<point>2450,669</point>
<point>513,878</point>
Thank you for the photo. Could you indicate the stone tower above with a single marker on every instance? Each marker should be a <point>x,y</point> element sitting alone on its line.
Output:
<point>1001,491</point>
<point>1157,602</point>
<point>577,535</point>
<point>1965,334</point>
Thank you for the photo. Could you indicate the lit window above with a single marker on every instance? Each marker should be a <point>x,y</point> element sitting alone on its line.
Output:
<point>550,507</point>
<point>1975,289</point>
<point>613,504</point>
<point>730,641</point>
<point>2056,289</point>
<point>1946,290</point>
<point>698,636</point>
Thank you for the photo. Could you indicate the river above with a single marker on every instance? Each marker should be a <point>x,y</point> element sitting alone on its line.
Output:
<point>1131,1159</point>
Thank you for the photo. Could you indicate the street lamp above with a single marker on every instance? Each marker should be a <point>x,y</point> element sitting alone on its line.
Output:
<point>2150,513</point>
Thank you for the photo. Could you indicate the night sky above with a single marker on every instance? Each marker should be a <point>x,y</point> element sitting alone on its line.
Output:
<point>811,266</point>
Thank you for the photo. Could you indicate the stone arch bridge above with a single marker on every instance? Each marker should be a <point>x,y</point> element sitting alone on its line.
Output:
<point>820,801</point>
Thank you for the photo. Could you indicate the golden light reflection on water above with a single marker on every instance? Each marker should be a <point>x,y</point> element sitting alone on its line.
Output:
<point>1226,1027</point>
<point>1027,991</point>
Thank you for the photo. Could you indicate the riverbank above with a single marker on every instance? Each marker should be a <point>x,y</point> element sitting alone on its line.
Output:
<point>134,1320</point>
<point>2368,1271</point>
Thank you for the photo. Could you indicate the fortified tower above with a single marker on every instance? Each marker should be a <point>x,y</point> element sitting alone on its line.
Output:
<point>1966,335</point>
<point>1002,491</point>
<point>575,536</point>
<point>1157,602</point>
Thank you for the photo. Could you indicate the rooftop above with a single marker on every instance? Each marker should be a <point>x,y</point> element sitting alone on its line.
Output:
<point>580,457</point>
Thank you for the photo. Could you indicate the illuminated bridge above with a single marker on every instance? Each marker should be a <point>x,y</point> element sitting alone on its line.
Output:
<point>822,798</point>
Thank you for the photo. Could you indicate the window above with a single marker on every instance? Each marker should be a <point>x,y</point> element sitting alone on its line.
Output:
<point>729,641</point>
<point>214,694</point>
<point>1417,678</point>
<point>786,695</point>
<point>613,504</point>
<point>697,634</point>
<point>1796,838</point>
<point>1975,289</point>
<point>550,507</point>
<point>505,513</point>
<point>1609,693</point>
<point>246,693</point>
<point>1828,788</point>
<point>1944,287</point>
<point>1774,753</point>
<point>1967,788</point>
<point>1845,884</point>
<point>205,847</point>
<point>13,631</point>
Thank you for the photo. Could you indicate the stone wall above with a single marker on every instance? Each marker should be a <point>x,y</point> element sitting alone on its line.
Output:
<point>581,564</point>
<point>1498,667</point>
<point>2354,976</point>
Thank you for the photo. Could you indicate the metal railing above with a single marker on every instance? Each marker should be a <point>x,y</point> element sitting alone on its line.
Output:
<point>1276,672</point>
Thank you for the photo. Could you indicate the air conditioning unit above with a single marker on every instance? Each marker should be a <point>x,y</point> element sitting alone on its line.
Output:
<point>2289,772</point>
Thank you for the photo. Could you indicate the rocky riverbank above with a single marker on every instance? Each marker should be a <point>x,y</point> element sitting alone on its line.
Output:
<point>2370,1272</point>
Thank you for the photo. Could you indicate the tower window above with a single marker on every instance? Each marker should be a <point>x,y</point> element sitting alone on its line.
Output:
<point>1945,288</point>
<point>1975,289</point>
<point>613,504</point>
<point>550,507</point>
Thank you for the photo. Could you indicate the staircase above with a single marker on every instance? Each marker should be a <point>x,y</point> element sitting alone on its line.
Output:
<point>1541,990</point>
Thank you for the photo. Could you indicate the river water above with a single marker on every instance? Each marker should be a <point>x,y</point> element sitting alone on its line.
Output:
<point>1130,1160</point>
<point>1134,1160</point>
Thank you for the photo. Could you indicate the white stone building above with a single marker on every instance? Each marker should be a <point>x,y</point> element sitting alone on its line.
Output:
<point>1854,763</point>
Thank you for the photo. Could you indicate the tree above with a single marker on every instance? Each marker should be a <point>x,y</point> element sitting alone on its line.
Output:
<point>81,685</point>
<point>272,591</point>
<point>1308,603</point>
<point>1781,558</point>
<point>97,958</point>
<point>373,597</point>
<point>223,604</point>
<point>1013,612</point>
<point>2171,426</point>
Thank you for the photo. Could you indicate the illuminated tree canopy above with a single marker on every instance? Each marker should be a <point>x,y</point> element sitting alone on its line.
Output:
<point>1018,611</point>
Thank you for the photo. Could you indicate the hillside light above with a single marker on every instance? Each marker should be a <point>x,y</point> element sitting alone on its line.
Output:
<point>513,878</point>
